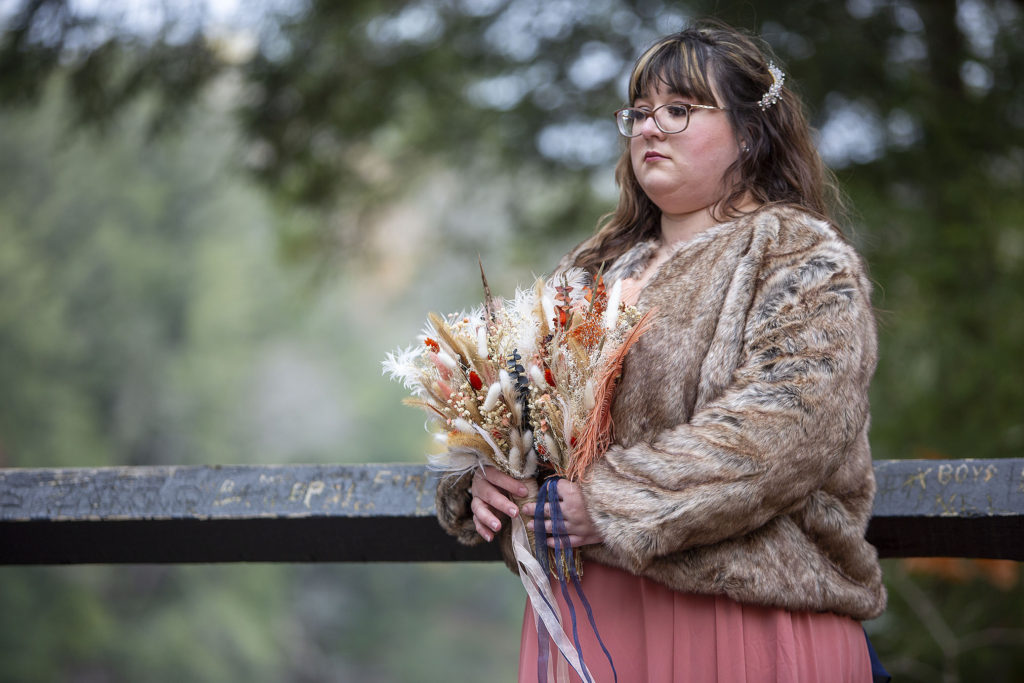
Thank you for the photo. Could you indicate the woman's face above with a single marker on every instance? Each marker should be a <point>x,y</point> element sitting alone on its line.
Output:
<point>683,173</point>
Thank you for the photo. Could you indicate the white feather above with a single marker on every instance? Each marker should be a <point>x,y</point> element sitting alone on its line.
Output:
<point>547,302</point>
<point>525,324</point>
<point>526,338</point>
<point>481,341</point>
<point>611,314</point>
<point>401,367</point>
<point>453,461</point>
<point>523,304</point>
<point>574,277</point>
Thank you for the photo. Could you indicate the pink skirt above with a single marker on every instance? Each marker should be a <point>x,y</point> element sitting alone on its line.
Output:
<point>658,635</point>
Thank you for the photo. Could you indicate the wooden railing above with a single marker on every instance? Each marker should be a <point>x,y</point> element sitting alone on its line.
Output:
<point>385,513</point>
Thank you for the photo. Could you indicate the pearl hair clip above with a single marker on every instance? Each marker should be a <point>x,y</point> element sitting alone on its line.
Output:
<point>775,91</point>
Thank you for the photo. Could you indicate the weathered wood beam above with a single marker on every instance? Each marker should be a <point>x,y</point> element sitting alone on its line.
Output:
<point>385,513</point>
<point>949,508</point>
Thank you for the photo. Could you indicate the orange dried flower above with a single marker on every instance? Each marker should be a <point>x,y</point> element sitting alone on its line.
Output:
<point>589,332</point>
<point>432,345</point>
<point>475,381</point>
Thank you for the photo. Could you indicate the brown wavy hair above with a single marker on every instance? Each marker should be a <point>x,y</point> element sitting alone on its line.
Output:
<point>780,165</point>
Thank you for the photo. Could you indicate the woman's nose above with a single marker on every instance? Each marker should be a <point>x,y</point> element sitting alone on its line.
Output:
<point>649,128</point>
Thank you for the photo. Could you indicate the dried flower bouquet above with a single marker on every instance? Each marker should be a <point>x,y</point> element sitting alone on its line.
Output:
<point>523,384</point>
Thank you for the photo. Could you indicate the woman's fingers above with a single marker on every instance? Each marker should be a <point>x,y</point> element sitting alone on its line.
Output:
<point>490,491</point>
<point>504,481</point>
<point>549,527</point>
<point>484,532</point>
<point>484,519</point>
<point>574,540</point>
<point>484,490</point>
<point>579,527</point>
<point>570,499</point>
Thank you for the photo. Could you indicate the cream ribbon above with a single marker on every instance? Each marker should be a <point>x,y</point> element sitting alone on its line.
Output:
<point>545,608</point>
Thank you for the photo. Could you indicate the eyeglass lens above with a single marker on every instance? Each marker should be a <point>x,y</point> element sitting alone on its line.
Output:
<point>670,118</point>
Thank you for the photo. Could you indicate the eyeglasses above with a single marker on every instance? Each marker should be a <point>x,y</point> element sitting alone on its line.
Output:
<point>669,118</point>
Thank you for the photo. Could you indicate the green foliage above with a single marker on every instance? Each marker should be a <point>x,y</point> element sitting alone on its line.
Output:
<point>951,625</point>
<point>107,69</point>
<point>145,321</point>
<point>145,317</point>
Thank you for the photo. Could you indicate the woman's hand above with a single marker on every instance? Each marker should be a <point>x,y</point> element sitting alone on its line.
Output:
<point>491,489</point>
<point>578,524</point>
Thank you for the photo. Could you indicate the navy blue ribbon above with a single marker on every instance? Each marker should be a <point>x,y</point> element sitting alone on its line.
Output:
<point>878,672</point>
<point>547,500</point>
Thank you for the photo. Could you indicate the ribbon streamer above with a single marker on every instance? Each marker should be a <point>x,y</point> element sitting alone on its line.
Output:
<point>547,499</point>
<point>535,581</point>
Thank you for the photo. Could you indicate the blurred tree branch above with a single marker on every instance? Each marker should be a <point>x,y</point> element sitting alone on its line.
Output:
<point>343,107</point>
<point>107,69</point>
<point>350,100</point>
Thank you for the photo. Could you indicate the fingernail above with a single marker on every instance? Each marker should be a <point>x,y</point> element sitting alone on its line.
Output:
<point>513,511</point>
<point>522,490</point>
<point>489,537</point>
<point>495,526</point>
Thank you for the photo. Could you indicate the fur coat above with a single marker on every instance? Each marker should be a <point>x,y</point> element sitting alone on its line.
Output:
<point>741,464</point>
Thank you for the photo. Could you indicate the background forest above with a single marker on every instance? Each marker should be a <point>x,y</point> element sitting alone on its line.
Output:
<point>216,218</point>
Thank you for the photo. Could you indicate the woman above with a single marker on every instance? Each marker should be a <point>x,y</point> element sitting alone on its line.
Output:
<point>723,532</point>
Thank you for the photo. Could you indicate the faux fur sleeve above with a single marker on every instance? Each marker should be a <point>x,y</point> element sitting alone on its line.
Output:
<point>453,514</point>
<point>777,433</point>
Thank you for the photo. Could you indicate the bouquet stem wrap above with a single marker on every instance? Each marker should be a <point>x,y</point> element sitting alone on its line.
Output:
<point>532,489</point>
<point>559,566</point>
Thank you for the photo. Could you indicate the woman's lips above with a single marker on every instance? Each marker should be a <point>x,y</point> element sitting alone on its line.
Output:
<point>654,156</point>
